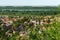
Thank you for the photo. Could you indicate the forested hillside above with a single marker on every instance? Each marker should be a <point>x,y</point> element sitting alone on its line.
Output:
<point>47,10</point>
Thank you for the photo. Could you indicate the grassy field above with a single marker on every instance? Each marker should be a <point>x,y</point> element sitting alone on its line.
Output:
<point>29,27</point>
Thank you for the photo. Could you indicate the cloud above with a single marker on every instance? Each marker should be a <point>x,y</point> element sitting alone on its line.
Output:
<point>29,2</point>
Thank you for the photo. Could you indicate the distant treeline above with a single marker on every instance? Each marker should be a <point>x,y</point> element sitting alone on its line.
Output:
<point>46,10</point>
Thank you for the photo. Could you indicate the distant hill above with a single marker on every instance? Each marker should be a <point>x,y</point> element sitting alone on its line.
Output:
<point>30,9</point>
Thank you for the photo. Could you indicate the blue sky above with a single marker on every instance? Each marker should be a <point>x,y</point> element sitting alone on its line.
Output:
<point>29,2</point>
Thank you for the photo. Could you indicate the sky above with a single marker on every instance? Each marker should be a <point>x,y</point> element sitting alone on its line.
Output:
<point>29,2</point>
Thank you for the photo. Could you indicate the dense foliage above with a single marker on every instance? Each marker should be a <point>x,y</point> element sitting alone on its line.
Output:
<point>29,27</point>
<point>43,23</point>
